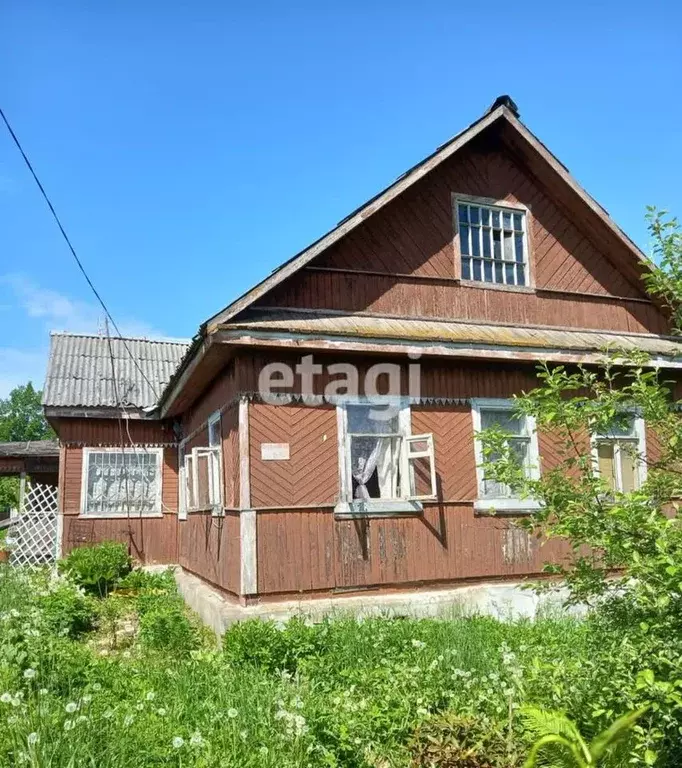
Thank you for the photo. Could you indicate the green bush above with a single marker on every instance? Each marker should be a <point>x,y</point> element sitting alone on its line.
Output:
<point>66,611</point>
<point>165,627</point>
<point>98,569</point>
<point>139,579</point>
<point>273,647</point>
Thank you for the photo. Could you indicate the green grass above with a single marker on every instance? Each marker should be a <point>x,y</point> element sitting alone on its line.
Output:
<point>351,693</point>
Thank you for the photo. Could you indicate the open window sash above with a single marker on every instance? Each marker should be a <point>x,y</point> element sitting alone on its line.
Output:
<point>206,479</point>
<point>190,500</point>
<point>419,467</point>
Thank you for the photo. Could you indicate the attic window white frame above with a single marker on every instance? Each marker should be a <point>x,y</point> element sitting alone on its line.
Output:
<point>509,504</point>
<point>502,207</point>
<point>404,502</point>
<point>88,452</point>
<point>638,438</point>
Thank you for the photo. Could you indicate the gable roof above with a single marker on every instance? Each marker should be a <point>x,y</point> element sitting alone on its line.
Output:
<point>101,372</point>
<point>504,112</point>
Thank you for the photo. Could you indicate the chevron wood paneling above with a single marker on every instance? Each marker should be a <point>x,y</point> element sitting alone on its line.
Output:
<point>310,475</point>
<point>453,436</point>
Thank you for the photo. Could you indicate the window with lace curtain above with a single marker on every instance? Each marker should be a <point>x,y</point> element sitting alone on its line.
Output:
<point>382,465</point>
<point>121,482</point>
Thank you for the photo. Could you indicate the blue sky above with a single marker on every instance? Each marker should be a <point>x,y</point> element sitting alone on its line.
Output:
<point>191,147</point>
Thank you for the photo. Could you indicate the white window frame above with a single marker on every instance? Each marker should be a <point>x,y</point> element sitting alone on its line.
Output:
<point>507,503</point>
<point>503,207</point>
<point>189,474</point>
<point>158,507</point>
<point>639,429</point>
<point>347,505</point>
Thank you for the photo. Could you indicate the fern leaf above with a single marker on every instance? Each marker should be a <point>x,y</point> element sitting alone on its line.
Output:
<point>613,733</point>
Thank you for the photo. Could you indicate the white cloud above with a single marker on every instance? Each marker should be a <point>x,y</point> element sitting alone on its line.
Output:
<point>61,313</point>
<point>21,366</point>
<point>53,311</point>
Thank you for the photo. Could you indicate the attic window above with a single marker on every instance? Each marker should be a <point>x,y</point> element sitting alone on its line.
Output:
<point>492,243</point>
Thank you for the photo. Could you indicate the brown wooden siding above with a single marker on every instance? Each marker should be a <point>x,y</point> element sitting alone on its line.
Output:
<point>219,393</point>
<point>310,475</point>
<point>112,432</point>
<point>439,378</point>
<point>390,295</point>
<point>412,242</point>
<point>150,540</point>
<point>301,551</point>
<point>209,547</point>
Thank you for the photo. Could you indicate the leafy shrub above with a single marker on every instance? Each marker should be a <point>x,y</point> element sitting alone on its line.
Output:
<point>450,741</point>
<point>98,569</point>
<point>273,647</point>
<point>67,611</point>
<point>165,627</point>
<point>140,579</point>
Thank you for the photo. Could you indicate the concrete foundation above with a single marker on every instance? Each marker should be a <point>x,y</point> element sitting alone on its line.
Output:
<point>505,601</point>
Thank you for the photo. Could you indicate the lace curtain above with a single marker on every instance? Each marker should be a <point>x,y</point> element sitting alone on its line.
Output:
<point>122,482</point>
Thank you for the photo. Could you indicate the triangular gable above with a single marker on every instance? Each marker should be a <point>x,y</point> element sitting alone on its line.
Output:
<point>625,256</point>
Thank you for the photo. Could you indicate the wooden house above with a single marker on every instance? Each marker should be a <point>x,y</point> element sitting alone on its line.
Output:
<point>317,436</point>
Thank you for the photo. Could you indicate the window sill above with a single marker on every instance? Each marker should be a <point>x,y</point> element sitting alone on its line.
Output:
<point>506,506</point>
<point>352,510</point>
<point>497,286</point>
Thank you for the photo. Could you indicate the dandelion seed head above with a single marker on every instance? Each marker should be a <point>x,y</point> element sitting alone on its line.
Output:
<point>71,707</point>
<point>178,742</point>
<point>33,738</point>
<point>29,673</point>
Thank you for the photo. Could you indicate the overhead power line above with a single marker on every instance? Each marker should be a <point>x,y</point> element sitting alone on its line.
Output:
<point>73,250</point>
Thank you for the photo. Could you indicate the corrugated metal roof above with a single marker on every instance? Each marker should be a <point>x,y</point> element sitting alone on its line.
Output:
<point>375,327</point>
<point>30,448</point>
<point>81,371</point>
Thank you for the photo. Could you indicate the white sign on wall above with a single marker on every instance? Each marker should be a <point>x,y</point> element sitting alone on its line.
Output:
<point>274,451</point>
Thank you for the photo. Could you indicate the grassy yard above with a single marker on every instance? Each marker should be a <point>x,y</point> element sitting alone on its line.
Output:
<point>130,680</point>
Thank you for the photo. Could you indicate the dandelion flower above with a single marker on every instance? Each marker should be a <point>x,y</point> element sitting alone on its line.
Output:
<point>178,742</point>
<point>29,674</point>
<point>33,738</point>
<point>232,713</point>
<point>71,707</point>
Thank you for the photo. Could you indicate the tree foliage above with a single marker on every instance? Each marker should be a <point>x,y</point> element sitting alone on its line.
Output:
<point>625,548</point>
<point>21,419</point>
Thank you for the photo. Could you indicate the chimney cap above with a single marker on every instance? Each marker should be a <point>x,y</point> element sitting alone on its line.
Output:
<point>505,101</point>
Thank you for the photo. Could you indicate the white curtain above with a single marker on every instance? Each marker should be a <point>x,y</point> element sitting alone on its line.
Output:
<point>375,457</point>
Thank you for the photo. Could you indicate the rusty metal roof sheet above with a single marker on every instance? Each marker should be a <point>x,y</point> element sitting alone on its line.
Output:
<point>85,371</point>
<point>359,326</point>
